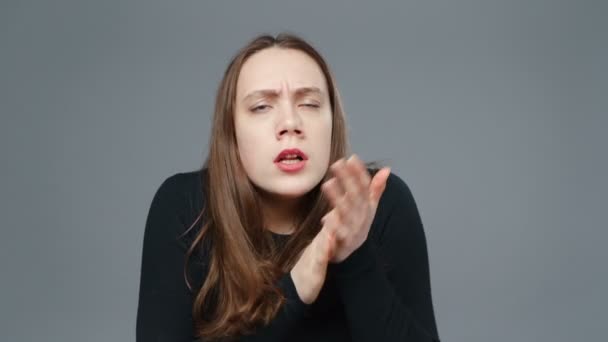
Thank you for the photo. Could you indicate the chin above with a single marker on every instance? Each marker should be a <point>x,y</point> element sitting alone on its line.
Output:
<point>292,195</point>
<point>289,191</point>
<point>292,191</point>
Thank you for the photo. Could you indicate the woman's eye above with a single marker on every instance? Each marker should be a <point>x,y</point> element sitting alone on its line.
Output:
<point>259,108</point>
<point>311,105</point>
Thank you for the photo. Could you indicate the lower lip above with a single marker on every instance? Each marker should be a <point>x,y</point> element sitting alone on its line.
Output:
<point>294,167</point>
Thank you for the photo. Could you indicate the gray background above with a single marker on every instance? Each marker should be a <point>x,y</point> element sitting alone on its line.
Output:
<point>494,112</point>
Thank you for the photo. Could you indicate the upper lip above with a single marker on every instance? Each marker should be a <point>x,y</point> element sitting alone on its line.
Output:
<point>289,151</point>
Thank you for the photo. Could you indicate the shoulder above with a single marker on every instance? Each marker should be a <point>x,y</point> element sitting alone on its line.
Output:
<point>182,191</point>
<point>397,192</point>
<point>177,202</point>
<point>180,184</point>
<point>396,203</point>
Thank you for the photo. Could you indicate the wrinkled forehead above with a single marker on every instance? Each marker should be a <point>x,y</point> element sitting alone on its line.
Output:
<point>279,69</point>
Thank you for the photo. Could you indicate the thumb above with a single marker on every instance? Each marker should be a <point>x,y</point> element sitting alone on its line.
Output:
<point>324,218</point>
<point>331,245</point>
<point>324,249</point>
<point>378,185</point>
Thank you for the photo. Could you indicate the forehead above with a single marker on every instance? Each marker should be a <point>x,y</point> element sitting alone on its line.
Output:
<point>274,67</point>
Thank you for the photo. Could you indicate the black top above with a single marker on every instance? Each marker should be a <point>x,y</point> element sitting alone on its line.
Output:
<point>381,292</point>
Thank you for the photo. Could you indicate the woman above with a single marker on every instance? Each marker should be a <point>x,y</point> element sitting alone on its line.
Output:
<point>278,237</point>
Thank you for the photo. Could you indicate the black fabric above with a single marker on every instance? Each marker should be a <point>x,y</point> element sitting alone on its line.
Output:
<point>381,292</point>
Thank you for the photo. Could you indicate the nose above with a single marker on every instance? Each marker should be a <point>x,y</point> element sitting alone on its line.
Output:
<point>289,123</point>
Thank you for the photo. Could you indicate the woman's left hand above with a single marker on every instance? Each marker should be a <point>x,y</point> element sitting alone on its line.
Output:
<point>354,197</point>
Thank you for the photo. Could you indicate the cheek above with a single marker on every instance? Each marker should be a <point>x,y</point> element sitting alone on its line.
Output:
<point>322,138</point>
<point>325,130</point>
<point>249,142</point>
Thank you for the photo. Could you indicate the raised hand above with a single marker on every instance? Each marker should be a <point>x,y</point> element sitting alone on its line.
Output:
<point>354,196</point>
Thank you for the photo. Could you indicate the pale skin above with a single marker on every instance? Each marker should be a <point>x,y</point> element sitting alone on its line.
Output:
<point>354,196</point>
<point>282,102</point>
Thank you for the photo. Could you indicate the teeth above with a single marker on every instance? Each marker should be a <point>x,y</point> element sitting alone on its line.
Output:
<point>289,161</point>
<point>291,157</point>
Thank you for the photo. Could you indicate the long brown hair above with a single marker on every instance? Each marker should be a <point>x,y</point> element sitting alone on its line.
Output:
<point>240,290</point>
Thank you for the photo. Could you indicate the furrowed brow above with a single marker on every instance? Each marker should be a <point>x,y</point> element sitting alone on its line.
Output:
<point>261,93</point>
<point>271,93</point>
<point>306,91</point>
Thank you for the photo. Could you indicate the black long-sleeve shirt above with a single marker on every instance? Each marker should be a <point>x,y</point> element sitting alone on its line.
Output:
<point>381,292</point>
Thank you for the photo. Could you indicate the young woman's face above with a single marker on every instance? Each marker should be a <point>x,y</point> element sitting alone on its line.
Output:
<point>282,103</point>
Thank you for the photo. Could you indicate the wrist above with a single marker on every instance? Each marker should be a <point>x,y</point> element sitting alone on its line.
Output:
<point>301,286</point>
<point>360,260</point>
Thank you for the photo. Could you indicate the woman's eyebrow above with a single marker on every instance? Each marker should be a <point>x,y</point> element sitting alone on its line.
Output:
<point>272,93</point>
<point>307,90</point>
<point>261,93</point>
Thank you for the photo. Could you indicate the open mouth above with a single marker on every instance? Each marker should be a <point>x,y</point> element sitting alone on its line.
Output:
<point>291,160</point>
<point>292,155</point>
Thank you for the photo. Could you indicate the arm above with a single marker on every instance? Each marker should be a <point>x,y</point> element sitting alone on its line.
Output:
<point>393,304</point>
<point>164,310</point>
<point>165,303</point>
<point>290,314</point>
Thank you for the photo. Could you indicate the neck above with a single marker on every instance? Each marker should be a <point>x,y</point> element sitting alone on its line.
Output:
<point>280,213</point>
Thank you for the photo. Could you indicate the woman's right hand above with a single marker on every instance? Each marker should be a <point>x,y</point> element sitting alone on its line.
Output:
<point>309,272</point>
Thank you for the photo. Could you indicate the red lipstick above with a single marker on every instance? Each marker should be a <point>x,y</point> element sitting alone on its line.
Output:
<point>291,152</point>
<point>291,160</point>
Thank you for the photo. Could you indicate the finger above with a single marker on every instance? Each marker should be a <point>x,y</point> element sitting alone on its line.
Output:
<point>352,195</point>
<point>358,175</point>
<point>330,243</point>
<point>340,170</point>
<point>341,202</point>
<point>341,234</point>
<point>328,223</point>
<point>333,191</point>
<point>322,248</point>
<point>333,224</point>
<point>361,173</point>
<point>378,185</point>
<point>331,246</point>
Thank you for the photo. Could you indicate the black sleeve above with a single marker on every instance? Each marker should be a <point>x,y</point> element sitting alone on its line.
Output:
<point>164,310</point>
<point>385,283</point>
<point>165,303</point>
<point>280,329</point>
